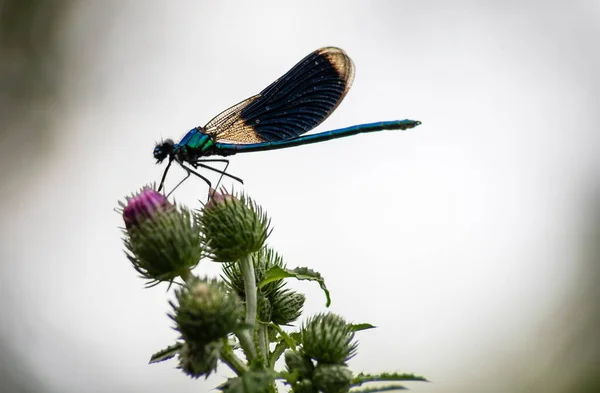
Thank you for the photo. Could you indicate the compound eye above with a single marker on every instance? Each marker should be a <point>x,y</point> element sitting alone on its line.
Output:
<point>159,153</point>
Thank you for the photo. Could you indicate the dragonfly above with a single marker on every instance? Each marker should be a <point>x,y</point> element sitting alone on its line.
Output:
<point>276,118</point>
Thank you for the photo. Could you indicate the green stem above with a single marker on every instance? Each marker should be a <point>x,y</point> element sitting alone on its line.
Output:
<point>245,336</point>
<point>234,363</point>
<point>277,352</point>
<point>246,343</point>
<point>249,289</point>
<point>262,342</point>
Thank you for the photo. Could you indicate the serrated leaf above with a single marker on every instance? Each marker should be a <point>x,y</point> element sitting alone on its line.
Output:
<point>165,354</point>
<point>299,273</point>
<point>385,388</point>
<point>356,327</point>
<point>296,336</point>
<point>385,377</point>
<point>252,381</point>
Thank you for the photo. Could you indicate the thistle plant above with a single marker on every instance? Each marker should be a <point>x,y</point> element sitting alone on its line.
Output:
<point>244,318</point>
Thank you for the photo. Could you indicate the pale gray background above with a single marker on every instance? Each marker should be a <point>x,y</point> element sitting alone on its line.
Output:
<point>464,240</point>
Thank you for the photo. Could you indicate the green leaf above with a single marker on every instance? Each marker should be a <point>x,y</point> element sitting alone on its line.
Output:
<point>385,388</point>
<point>300,273</point>
<point>252,381</point>
<point>364,378</point>
<point>165,354</point>
<point>356,327</point>
<point>287,377</point>
<point>291,343</point>
<point>296,336</point>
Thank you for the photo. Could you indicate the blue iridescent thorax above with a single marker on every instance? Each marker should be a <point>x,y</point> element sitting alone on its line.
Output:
<point>195,143</point>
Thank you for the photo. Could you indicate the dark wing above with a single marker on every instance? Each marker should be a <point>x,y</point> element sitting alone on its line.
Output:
<point>292,105</point>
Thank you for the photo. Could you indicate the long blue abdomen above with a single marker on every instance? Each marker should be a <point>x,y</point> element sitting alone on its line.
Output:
<point>232,148</point>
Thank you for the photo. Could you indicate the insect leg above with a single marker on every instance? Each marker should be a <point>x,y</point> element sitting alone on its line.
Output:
<point>189,170</point>
<point>178,184</point>
<point>162,181</point>
<point>221,177</point>
<point>223,172</point>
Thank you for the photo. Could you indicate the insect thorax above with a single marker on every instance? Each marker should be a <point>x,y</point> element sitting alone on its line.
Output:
<point>196,145</point>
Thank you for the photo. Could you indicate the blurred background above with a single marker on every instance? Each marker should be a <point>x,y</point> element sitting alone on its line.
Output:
<point>472,242</point>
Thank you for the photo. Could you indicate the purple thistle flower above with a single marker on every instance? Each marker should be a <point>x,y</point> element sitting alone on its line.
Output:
<point>162,240</point>
<point>143,206</point>
<point>218,197</point>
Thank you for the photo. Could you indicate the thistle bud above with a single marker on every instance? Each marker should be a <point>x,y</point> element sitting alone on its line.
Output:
<point>205,311</point>
<point>287,306</point>
<point>162,240</point>
<point>328,339</point>
<point>332,378</point>
<point>300,363</point>
<point>264,309</point>
<point>198,360</point>
<point>304,386</point>
<point>234,226</point>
